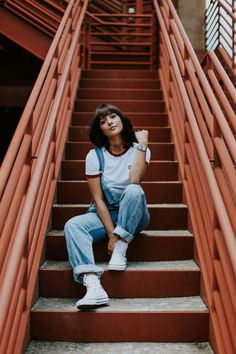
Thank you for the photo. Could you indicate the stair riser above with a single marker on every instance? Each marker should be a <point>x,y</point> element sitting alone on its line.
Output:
<point>138,284</point>
<point>162,218</point>
<point>124,65</point>
<point>110,94</point>
<point>155,134</point>
<point>120,74</point>
<point>78,151</point>
<point>134,105</point>
<point>161,193</point>
<point>119,84</point>
<point>137,119</point>
<point>120,56</point>
<point>115,327</point>
<point>161,248</point>
<point>157,171</point>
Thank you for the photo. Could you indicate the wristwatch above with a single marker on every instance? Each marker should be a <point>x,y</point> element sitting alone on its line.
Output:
<point>142,147</point>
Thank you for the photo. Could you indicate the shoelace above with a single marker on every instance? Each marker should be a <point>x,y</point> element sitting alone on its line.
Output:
<point>92,287</point>
<point>119,248</point>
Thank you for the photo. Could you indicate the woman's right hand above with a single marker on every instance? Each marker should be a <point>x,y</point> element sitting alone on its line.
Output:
<point>111,243</point>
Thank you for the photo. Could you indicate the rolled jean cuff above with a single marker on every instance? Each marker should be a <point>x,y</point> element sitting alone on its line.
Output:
<point>86,268</point>
<point>123,234</point>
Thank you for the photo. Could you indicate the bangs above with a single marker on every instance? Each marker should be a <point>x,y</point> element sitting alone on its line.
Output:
<point>104,110</point>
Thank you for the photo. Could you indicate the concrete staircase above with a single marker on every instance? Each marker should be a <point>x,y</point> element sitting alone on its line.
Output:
<point>157,298</point>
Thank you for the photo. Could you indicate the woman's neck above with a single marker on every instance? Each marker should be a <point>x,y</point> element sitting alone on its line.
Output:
<point>116,146</point>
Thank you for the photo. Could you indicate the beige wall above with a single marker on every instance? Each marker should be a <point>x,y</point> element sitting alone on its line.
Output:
<point>191,13</point>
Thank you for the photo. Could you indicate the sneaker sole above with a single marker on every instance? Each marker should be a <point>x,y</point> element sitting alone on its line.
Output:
<point>91,304</point>
<point>116,267</point>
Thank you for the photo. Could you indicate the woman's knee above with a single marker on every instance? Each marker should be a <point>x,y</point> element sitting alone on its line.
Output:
<point>72,226</point>
<point>134,191</point>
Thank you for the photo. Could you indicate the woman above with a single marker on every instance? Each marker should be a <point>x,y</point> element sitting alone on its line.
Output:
<point>114,170</point>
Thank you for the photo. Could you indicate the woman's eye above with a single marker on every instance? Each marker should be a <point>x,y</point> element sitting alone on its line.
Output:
<point>102,122</point>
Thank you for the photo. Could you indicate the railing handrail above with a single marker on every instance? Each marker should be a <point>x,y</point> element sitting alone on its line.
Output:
<point>224,77</point>
<point>47,20</point>
<point>203,127</point>
<point>26,115</point>
<point>95,17</point>
<point>46,153</point>
<point>216,195</point>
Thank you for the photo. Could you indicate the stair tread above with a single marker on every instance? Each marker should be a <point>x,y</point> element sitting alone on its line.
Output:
<point>162,205</point>
<point>44,347</point>
<point>115,89</point>
<point>161,265</point>
<point>143,182</point>
<point>191,303</point>
<point>146,233</point>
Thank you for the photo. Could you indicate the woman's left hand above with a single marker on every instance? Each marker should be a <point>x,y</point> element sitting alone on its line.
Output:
<point>111,243</point>
<point>142,136</point>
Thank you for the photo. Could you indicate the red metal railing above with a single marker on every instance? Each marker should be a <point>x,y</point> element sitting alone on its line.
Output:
<point>119,39</point>
<point>107,6</point>
<point>222,85</point>
<point>221,26</point>
<point>44,15</point>
<point>204,130</point>
<point>28,176</point>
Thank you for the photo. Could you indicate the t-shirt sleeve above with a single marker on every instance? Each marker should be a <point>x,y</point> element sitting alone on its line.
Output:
<point>92,165</point>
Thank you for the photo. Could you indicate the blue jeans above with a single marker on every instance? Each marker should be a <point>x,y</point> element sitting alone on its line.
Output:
<point>81,231</point>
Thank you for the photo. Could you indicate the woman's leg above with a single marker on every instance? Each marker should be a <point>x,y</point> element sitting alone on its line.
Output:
<point>133,214</point>
<point>80,233</point>
<point>133,217</point>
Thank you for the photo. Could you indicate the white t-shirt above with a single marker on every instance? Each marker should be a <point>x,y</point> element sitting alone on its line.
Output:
<point>116,171</point>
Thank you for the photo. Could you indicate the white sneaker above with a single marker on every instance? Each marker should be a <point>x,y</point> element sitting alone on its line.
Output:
<point>95,294</point>
<point>118,259</point>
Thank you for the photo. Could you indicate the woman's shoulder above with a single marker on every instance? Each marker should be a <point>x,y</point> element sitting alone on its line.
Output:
<point>92,153</point>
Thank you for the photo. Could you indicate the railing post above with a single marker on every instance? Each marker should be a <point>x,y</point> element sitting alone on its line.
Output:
<point>219,16</point>
<point>87,45</point>
<point>234,33</point>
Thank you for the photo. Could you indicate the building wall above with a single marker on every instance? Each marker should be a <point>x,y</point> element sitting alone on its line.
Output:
<point>192,16</point>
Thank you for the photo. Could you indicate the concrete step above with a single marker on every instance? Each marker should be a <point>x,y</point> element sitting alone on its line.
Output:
<point>44,347</point>
<point>117,93</point>
<point>147,246</point>
<point>120,83</point>
<point>79,150</point>
<point>156,192</point>
<point>137,118</point>
<point>156,134</point>
<point>86,105</point>
<point>141,279</point>
<point>155,319</point>
<point>120,74</point>
<point>157,170</point>
<point>162,216</point>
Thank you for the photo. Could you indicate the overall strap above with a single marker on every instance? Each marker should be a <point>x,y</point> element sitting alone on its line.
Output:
<point>100,159</point>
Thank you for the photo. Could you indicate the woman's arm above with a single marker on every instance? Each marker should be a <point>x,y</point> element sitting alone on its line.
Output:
<point>101,208</point>
<point>139,166</point>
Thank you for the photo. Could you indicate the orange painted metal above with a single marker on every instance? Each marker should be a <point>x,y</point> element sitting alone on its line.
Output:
<point>203,128</point>
<point>119,39</point>
<point>28,176</point>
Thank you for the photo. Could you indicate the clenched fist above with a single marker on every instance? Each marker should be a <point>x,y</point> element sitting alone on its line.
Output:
<point>142,136</point>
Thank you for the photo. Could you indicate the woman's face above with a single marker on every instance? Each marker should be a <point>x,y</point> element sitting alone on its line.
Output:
<point>111,125</point>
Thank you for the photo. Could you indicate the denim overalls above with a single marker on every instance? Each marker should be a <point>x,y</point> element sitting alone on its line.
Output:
<point>129,213</point>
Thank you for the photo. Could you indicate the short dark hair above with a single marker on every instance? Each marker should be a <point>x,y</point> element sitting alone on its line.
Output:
<point>96,135</point>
